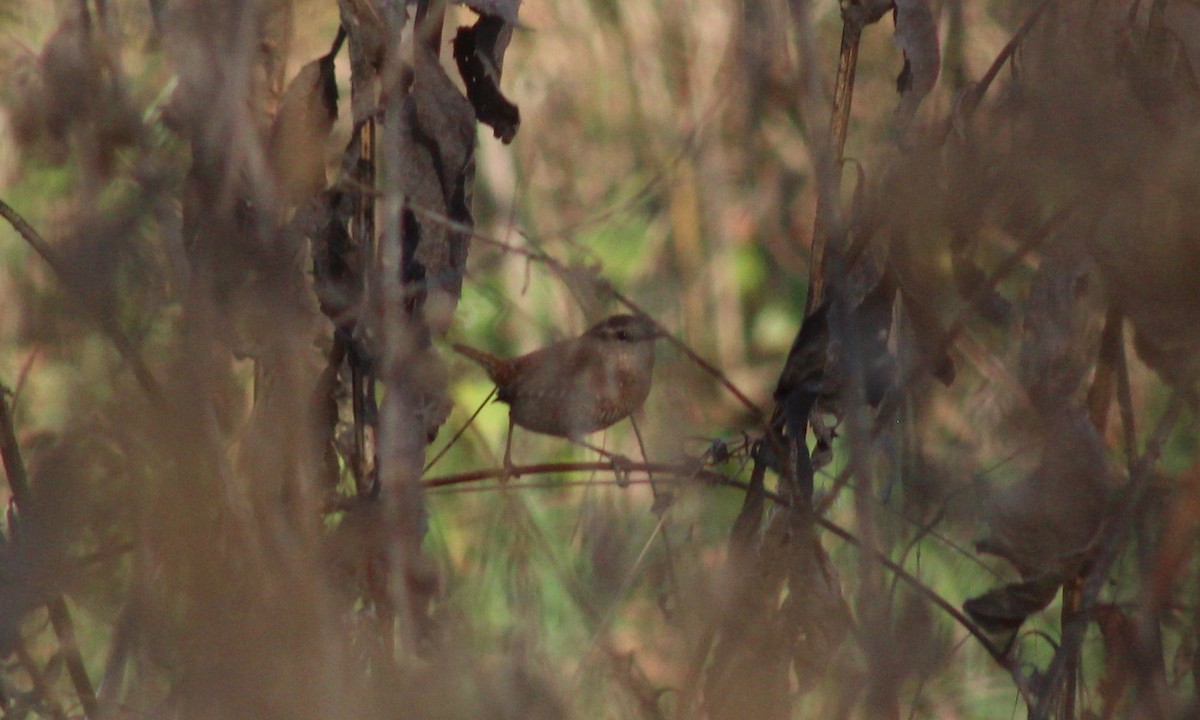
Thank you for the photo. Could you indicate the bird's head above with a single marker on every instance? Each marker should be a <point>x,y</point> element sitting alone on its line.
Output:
<point>625,329</point>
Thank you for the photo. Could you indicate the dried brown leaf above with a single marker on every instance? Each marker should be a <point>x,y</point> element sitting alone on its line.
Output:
<point>1062,330</point>
<point>439,173</point>
<point>306,115</point>
<point>1182,19</point>
<point>1049,521</point>
<point>917,37</point>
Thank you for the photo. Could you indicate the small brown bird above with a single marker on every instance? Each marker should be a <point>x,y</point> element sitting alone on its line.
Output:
<point>580,385</point>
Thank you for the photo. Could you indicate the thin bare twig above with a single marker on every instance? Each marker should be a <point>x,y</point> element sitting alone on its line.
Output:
<point>459,434</point>
<point>975,94</point>
<point>712,477</point>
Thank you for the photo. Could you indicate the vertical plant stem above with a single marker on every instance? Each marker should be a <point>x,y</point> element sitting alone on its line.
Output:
<point>39,682</point>
<point>1074,630</point>
<point>829,170</point>
<point>60,616</point>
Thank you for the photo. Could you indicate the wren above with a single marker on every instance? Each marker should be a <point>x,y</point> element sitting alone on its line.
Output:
<point>579,385</point>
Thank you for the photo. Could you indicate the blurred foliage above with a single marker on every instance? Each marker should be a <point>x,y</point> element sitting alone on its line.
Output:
<point>669,150</point>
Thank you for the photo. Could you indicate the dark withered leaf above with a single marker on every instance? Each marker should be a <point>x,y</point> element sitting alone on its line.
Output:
<point>928,335</point>
<point>1004,609</point>
<point>800,382</point>
<point>337,264</point>
<point>823,434</point>
<point>477,52</point>
<point>1062,330</point>
<point>1050,520</point>
<point>1182,20</point>
<point>872,321</point>
<point>917,36</point>
<point>972,285</point>
<point>806,359</point>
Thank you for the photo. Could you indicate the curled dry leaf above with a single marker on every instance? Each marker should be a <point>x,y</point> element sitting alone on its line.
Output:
<point>301,127</point>
<point>337,262</point>
<point>917,37</point>
<point>1050,521</point>
<point>1148,249</point>
<point>439,173</point>
<point>1182,20</point>
<point>479,54</point>
<point>506,10</point>
<point>1062,329</point>
<point>801,380</point>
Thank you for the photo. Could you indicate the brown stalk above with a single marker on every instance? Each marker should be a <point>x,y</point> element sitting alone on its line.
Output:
<point>1099,398</point>
<point>1074,630</point>
<point>856,15</point>
<point>38,680</point>
<point>827,197</point>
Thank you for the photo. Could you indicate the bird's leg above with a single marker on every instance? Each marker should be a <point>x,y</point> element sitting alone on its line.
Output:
<point>621,464</point>
<point>508,466</point>
<point>662,499</point>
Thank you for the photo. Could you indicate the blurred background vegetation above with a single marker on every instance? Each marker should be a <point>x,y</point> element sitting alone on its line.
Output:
<point>668,149</point>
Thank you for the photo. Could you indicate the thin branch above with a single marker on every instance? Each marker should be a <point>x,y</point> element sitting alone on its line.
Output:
<point>712,477</point>
<point>64,628</point>
<point>690,472</point>
<point>459,434</point>
<point>975,94</point>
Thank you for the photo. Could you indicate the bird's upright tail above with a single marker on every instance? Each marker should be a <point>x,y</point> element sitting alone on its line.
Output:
<point>491,364</point>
